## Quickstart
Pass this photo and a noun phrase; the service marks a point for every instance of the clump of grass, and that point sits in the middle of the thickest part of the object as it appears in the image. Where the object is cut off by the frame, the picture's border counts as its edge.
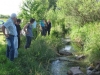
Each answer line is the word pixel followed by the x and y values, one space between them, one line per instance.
pixel 87 38
pixel 33 61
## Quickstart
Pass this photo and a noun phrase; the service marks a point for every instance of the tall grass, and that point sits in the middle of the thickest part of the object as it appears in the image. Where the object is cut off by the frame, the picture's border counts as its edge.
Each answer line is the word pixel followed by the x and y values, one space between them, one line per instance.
pixel 2 39
pixel 4 19
pixel 33 61
pixel 87 38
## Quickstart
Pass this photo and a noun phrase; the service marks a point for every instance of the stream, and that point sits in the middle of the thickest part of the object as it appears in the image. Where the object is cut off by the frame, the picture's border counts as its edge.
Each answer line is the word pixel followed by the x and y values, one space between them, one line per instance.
pixel 61 65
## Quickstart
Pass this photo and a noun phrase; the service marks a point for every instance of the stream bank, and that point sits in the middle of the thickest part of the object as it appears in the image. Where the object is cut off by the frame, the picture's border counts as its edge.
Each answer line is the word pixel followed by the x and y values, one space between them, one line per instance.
pixel 62 65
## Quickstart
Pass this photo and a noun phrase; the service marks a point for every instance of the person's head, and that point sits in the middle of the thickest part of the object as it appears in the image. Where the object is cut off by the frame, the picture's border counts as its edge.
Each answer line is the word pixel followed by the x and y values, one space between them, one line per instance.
pixel 18 21
pixel 32 20
pixel 13 17
pixel 49 21
pixel 45 20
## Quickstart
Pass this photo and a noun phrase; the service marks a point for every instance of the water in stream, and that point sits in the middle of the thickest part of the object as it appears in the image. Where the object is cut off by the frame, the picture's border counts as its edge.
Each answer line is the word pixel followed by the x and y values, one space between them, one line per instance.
pixel 59 67
pixel 62 64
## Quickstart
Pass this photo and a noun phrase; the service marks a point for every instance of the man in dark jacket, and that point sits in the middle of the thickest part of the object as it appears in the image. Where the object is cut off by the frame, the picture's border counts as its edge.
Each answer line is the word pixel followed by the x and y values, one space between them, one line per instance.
pixel 18 30
pixel 48 27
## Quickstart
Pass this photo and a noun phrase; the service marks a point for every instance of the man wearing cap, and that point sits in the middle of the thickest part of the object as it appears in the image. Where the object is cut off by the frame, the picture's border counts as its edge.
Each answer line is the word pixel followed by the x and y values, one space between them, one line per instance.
pixel 11 34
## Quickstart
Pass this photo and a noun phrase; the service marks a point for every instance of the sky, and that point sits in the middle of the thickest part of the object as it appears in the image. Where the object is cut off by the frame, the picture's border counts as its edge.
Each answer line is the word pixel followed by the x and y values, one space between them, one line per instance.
pixel 7 7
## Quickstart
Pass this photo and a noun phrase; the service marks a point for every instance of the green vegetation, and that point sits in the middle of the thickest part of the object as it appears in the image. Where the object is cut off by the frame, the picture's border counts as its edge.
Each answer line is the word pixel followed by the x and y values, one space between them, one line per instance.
pixel 2 38
pixel 33 61
pixel 4 19
pixel 87 40
pixel 4 16
pixel 78 19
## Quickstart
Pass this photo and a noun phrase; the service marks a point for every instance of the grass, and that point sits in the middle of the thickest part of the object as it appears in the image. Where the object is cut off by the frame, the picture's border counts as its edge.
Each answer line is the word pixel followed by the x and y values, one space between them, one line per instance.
pixel 2 38
pixel 87 40
pixel 34 61
pixel 4 19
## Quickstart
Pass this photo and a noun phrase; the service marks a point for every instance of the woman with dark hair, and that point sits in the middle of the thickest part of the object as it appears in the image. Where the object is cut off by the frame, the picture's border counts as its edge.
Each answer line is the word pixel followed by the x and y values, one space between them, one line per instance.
pixel 18 30
pixel 29 33
pixel 49 27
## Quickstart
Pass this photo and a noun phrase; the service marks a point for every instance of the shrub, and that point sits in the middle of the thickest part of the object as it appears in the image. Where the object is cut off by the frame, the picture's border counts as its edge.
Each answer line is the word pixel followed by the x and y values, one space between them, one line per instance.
pixel 89 35
pixel 33 61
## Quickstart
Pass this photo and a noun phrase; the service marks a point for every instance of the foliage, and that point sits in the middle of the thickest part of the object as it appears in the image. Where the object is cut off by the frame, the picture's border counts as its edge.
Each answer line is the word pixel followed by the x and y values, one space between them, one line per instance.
pixel 33 61
pixel 4 16
pixel 33 9
pixel 87 37
pixel 75 17
pixel 52 3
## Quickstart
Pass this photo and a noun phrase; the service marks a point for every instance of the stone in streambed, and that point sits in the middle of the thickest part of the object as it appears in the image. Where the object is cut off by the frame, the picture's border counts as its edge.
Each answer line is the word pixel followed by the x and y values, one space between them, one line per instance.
pixel 66 41
pixel 93 71
pixel 80 57
pixel 65 52
pixel 76 71
pixel 69 73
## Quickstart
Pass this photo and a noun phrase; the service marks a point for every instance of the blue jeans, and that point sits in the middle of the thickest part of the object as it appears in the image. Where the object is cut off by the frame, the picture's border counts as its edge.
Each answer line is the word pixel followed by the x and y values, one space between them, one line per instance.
pixel 28 42
pixel 10 47
pixel 43 31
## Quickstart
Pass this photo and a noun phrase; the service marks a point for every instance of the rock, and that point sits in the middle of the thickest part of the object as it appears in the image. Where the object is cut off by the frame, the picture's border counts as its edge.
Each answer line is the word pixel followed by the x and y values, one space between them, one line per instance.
pixel 97 62
pixel 66 41
pixel 80 57
pixel 97 73
pixel 69 73
pixel 66 59
pixel 90 68
pixel 97 67
pixel 65 52
pixel 76 71
pixel 93 71
pixel 90 72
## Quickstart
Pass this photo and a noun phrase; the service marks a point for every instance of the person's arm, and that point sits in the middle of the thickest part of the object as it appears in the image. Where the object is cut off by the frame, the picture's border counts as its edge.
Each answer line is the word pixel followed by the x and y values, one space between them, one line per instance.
pixel 26 28
pixel 20 29
pixel 3 30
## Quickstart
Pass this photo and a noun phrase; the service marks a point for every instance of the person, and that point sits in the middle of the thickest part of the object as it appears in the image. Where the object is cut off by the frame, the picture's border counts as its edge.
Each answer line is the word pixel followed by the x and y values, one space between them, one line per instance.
pixel 42 25
pixel 46 24
pixel 9 30
pixel 15 45
pixel 48 27
pixel 35 29
pixel 18 30
pixel 29 33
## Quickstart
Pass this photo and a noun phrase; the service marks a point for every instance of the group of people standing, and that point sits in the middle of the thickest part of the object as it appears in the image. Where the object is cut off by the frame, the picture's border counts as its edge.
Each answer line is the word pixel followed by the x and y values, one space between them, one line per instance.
pixel 12 30
pixel 45 27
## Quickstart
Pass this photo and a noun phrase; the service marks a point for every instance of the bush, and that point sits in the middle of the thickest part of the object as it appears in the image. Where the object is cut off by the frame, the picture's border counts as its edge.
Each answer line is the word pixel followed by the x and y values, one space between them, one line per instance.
pixel 33 61
pixel 88 35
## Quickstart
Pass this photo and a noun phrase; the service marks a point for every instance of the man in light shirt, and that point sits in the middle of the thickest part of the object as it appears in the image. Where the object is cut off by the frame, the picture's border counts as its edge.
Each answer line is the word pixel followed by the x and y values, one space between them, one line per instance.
pixel 11 36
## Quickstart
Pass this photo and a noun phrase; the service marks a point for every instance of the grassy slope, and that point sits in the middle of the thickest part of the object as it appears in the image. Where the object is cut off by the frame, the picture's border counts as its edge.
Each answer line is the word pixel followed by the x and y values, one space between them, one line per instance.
pixel 2 38
pixel 33 61
pixel 87 37
pixel 4 19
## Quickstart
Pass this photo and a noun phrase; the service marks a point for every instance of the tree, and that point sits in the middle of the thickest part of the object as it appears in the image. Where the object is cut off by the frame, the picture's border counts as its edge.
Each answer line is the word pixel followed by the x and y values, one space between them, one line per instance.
pixel 34 8
pixel 52 3
pixel 82 11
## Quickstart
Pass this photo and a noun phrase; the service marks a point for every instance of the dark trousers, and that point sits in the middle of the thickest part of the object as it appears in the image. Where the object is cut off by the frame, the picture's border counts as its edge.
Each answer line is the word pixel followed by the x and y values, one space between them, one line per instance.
pixel 28 42
pixel 48 31
pixel 10 47
pixel 18 41
pixel 43 31
pixel 35 33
